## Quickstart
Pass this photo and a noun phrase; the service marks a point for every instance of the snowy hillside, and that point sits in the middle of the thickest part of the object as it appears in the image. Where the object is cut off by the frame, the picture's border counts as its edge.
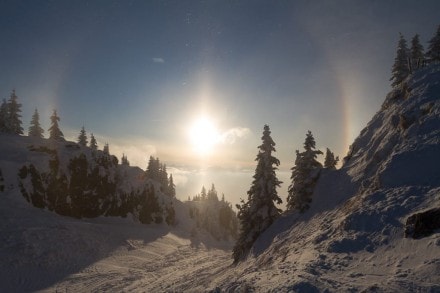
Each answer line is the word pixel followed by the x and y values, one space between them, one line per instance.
pixel 352 238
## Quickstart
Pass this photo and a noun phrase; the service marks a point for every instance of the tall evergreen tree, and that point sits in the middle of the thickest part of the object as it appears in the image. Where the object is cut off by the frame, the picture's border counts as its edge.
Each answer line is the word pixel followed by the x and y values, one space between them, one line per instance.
pixel 171 187
pixel 433 53
pixel 4 114
pixel 93 144
pixel 305 173
pixel 13 122
pixel 35 129
pixel 54 130
pixel 259 211
pixel 330 161
pixel 400 68
pixel 82 137
pixel 416 52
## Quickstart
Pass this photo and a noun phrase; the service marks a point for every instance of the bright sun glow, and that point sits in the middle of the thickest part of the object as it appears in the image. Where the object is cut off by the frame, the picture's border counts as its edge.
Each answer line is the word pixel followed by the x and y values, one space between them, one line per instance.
pixel 203 135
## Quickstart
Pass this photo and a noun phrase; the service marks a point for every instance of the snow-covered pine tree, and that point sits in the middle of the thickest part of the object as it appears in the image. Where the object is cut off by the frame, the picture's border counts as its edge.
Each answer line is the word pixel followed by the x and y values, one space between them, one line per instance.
pixel 330 161
pixel 13 122
pixel 400 68
pixel 433 53
pixel 4 113
pixel 171 187
pixel 54 130
pixel 82 137
pixel 35 129
pixel 305 173
pixel 259 211
pixel 416 53
pixel 93 144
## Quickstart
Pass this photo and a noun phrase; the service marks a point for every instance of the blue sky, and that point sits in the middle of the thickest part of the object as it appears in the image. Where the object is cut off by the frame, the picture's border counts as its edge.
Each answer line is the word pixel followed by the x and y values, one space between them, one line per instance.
pixel 137 73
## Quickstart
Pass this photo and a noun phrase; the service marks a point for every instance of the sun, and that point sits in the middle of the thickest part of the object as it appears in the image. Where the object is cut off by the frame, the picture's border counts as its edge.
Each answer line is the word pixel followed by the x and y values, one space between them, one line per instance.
pixel 203 135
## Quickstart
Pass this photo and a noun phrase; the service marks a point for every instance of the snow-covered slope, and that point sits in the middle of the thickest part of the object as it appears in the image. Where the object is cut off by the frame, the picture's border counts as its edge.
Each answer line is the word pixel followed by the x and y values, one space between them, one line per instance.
pixel 352 238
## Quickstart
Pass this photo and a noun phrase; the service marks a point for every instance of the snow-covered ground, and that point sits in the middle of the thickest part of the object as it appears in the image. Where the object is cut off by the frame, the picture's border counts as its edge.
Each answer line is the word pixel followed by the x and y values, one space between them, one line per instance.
pixel 40 250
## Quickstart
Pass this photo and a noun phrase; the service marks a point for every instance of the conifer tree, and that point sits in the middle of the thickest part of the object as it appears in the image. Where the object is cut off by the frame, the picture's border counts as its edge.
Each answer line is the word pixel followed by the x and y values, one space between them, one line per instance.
pixel 13 122
pixel 212 193
pixel 416 52
pixel 54 130
pixel 93 143
pixel 305 173
pixel 171 187
pixel 259 211
pixel 400 68
pixel 35 129
pixel 4 113
pixel 433 53
pixel 82 137
pixel 124 160
pixel 330 161
pixel 203 194
pixel 106 149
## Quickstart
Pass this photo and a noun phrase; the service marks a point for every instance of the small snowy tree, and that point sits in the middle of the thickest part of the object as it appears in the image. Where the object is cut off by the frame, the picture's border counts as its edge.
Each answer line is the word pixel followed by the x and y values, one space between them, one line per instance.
pixel 330 161
pixel 54 130
pixel 433 53
pixel 13 122
pixel 305 173
pixel 259 211
pixel 416 52
pixel 93 144
pixel 35 129
pixel 82 137
pixel 400 68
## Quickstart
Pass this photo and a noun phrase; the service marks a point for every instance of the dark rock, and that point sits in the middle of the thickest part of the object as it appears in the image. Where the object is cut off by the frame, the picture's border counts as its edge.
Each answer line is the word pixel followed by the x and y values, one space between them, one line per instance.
pixel 422 224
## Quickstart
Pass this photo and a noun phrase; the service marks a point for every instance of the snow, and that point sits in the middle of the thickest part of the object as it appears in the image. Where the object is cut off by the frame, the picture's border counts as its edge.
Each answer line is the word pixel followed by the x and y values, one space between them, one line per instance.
pixel 350 240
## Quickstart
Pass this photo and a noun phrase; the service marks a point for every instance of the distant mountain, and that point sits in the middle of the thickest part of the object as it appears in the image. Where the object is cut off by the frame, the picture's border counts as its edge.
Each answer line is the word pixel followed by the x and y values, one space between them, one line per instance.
pixel 353 236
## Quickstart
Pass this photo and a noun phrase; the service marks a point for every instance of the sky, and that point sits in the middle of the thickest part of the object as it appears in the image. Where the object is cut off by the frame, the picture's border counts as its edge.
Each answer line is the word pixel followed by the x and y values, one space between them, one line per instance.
pixel 194 82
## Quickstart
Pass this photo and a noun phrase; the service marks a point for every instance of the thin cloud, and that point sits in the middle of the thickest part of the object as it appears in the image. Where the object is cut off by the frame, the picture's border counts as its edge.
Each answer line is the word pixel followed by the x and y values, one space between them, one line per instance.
pixel 232 135
pixel 158 60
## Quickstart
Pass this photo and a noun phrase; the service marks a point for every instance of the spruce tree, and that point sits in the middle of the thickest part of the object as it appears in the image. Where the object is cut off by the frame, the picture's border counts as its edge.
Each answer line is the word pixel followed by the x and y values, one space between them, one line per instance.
pixel 400 68
pixel 305 173
pixel 4 113
pixel 13 122
pixel 416 53
pixel 433 53
pixel 35 129
pixel 330 161
pixel 259 211
pixel 93 144
pixel 54 130
pixel 171 187
pixel 82 137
